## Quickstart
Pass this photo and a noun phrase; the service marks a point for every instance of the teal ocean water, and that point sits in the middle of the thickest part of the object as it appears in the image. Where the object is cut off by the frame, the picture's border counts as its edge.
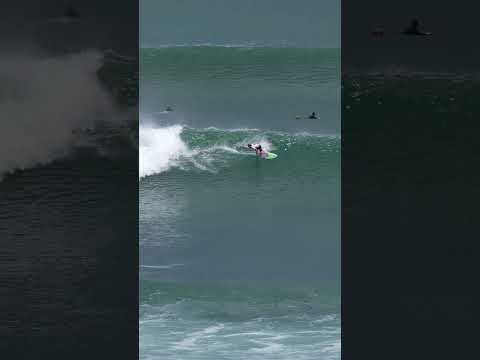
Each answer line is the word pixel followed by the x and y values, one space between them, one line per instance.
pixel 242 87
pixel 304 23
pixel 239 256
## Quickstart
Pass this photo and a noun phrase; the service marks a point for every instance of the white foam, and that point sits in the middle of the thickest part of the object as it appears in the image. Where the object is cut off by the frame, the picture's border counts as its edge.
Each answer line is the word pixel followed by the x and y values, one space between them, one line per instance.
pixel 162 148
pixel 224 148
pixel 334 347
pixel 267 347
pixel 191 340
pixel 326 318
pixel 159 149
pixel 248 333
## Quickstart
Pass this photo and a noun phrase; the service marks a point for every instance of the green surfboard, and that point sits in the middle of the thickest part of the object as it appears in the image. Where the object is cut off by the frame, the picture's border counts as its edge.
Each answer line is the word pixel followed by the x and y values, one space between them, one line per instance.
pixel 270 156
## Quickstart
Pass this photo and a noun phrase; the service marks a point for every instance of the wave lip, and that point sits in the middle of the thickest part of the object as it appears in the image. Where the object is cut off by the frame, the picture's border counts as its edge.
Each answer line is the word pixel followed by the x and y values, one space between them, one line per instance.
pixel 159 149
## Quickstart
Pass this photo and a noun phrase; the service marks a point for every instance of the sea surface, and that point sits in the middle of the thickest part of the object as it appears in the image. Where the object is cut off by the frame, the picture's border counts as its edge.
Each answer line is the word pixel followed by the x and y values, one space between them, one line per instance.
pixel 68 198
pixel 239 256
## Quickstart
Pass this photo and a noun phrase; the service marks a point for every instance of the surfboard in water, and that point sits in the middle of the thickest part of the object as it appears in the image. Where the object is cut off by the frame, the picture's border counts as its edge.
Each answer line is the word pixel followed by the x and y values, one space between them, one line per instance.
pixel 270 156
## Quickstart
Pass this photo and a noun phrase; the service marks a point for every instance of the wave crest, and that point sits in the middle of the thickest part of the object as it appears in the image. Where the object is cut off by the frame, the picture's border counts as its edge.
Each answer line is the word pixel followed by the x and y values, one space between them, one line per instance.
pixel 159 149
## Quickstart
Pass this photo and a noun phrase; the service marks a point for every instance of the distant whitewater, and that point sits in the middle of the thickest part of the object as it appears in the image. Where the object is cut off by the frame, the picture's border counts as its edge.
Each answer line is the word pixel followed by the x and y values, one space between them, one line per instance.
pixel 41 122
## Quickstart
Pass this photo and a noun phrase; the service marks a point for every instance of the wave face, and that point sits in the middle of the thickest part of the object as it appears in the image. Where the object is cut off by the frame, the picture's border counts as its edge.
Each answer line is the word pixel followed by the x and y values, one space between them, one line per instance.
pixel 239 255
pixel 191 177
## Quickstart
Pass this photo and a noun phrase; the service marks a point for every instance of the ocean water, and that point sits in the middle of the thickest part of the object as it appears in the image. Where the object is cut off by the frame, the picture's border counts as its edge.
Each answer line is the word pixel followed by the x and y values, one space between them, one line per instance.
pixel 239 256
pixel 304 23
pixel 410 143
pixel 66 159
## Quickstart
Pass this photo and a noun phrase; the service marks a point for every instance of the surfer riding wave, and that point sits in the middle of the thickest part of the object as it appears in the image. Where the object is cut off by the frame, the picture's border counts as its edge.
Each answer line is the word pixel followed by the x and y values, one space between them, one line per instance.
pixel 259 151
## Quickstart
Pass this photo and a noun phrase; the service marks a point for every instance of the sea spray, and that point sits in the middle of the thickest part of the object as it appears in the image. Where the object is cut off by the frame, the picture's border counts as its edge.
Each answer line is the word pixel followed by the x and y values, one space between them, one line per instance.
pixel 159 149
pixel 38 117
